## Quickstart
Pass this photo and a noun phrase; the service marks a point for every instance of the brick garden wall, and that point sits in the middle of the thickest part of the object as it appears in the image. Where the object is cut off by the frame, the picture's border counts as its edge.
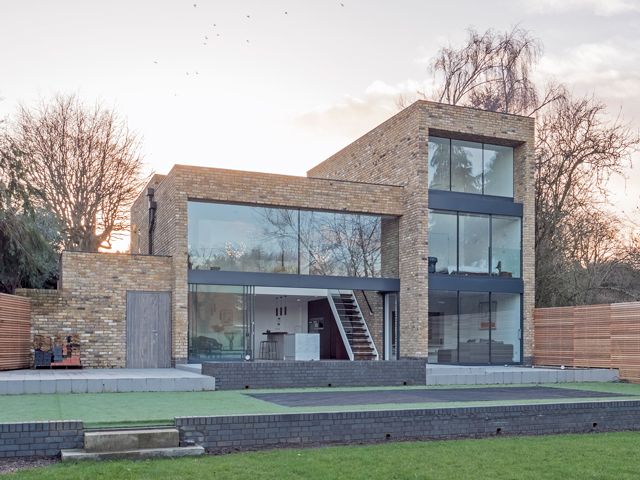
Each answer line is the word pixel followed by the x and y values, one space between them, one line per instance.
pixel 92 301
pixel 337 373
pixel 228 433
pixel 39 439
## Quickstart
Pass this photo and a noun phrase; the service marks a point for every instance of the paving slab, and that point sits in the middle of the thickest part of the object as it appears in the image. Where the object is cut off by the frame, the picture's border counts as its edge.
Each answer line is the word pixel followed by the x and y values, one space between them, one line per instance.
pixel 103 380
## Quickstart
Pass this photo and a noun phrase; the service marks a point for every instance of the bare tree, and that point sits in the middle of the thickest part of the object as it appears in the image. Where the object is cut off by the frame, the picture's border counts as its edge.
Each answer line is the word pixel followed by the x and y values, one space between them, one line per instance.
pixel 491 71
pixel 85 163
pixel 578 244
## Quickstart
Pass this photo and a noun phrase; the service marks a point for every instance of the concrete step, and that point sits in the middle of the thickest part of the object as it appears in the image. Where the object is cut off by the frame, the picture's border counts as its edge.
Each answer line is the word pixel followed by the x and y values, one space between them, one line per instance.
pixel 509 376
pixel 102 441
pixel 139 454
pixel 101 380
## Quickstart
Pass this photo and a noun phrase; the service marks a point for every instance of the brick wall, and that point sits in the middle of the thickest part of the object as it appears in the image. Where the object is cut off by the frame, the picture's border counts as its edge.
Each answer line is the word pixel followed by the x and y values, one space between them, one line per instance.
pixel 39 439
pixel 227 433
pixel 337 373
pixel 92 301
pixel 396 152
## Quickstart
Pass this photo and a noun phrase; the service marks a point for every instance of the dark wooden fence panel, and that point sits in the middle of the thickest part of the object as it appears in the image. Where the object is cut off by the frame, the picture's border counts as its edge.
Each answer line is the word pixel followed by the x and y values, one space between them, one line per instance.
pixel 15 332
pixel 605 336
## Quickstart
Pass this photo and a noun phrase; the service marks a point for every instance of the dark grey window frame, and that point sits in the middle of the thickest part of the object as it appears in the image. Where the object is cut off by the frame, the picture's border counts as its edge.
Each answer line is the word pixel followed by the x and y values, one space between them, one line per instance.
pixel 482 144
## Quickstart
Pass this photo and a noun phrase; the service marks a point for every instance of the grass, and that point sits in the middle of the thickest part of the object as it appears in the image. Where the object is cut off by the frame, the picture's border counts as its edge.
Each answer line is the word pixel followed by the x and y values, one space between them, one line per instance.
pixel 141 408
pixel 587 456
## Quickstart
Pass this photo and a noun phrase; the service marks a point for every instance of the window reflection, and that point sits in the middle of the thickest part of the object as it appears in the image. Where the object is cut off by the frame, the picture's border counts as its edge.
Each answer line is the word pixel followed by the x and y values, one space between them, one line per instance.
pixel 439 163
pixel 277 240
pixel 470 167
pixel 339 244
pixel 461 243
pixel 242 238
pixel 466 166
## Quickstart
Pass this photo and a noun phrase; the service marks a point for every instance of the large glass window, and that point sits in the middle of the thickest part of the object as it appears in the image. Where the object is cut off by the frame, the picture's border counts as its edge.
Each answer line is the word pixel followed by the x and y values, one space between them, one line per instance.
pixel 218 328
pixel 505 332
pixel 443 327
pixel 505 250
pixel 339 244
pixel 242 238
pixel 277 240
pixel 474 244
pixel 498 170
pixel 470 167
pixel 443 242
pixel 474 327
pixel 439 163
pixel 466 167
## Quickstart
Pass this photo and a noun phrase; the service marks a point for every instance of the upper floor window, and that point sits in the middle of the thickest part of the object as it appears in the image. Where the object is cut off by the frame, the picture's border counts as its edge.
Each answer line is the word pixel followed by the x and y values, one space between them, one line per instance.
pixel 470 167
pixel 247 238
pixel 474 244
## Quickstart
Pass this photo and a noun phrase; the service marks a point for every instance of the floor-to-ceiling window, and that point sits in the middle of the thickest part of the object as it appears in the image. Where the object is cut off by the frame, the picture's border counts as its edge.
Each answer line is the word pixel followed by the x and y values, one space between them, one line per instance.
pixel 218 327
pixel 474 327
pixel 473 244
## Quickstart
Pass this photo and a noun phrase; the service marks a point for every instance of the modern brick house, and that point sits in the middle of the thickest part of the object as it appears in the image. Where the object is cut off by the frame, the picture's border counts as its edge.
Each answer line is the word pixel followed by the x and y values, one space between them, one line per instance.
pixel 415 241
pixel 423 227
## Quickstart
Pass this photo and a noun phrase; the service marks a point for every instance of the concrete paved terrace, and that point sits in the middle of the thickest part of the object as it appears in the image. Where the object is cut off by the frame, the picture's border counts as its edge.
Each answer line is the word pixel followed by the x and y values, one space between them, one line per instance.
pixel 514 375
pixel 100 380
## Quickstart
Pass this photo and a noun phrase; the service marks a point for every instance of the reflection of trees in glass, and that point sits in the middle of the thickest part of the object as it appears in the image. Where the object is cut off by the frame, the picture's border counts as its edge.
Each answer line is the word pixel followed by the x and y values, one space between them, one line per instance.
pixel 498 170
pixel 340 244
pixel 267 242
pixel 462 171
pixel 439 158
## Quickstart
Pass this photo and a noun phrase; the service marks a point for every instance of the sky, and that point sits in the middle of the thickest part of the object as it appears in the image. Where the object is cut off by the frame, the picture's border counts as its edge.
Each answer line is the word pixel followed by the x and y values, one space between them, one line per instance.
pixel 278 86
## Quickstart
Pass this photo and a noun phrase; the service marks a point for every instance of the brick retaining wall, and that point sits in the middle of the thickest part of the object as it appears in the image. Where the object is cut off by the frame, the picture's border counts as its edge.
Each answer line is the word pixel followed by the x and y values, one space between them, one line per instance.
pixel 267 431
pixel 42 439
pixel 337 373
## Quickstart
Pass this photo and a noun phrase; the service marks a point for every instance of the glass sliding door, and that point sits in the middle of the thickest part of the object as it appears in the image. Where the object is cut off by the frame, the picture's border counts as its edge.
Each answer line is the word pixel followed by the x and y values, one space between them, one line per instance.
pixel 443 327
pixel 220 322
pixel 506 333
pixel 474 327
pixel 391 326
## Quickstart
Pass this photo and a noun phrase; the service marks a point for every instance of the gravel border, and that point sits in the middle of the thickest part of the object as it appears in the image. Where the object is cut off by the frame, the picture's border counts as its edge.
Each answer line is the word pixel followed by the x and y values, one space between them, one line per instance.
pixel 10 465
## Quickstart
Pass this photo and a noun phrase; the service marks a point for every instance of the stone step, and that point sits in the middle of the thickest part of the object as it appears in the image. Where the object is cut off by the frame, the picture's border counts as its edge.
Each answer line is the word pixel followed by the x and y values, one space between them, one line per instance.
pixel 139 454
pixel 102 441
pixel 508 376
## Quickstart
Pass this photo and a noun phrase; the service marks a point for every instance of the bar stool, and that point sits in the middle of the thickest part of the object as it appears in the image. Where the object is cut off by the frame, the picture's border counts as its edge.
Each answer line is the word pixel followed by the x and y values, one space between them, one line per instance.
pixel 268 350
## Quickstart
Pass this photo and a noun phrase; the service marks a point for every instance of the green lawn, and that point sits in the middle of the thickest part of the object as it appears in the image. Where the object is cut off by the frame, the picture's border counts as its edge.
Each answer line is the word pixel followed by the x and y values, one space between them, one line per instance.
pixel 161 407
pixel 588 456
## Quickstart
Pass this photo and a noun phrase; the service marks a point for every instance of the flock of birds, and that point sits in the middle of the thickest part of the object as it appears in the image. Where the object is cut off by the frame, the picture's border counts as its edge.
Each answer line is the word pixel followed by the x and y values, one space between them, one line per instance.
pixel 205 41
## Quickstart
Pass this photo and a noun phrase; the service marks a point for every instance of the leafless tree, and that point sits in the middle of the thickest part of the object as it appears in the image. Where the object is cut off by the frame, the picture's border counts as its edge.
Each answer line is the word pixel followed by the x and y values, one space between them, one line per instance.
pixel 578 243
pixel 86 164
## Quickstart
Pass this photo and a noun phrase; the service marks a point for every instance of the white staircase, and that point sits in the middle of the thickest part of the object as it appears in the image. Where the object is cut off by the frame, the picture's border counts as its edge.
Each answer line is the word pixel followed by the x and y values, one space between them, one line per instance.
pixel 353 328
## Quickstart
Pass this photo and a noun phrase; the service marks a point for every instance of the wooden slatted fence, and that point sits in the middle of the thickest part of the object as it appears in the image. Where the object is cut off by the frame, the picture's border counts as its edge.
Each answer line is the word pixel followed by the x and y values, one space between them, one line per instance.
pixel 15 332
pixel 605 336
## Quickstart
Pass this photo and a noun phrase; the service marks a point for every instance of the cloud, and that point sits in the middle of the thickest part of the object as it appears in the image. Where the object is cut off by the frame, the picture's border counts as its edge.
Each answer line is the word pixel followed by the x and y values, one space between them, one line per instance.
pixel 605 8
pixel 609 69
pixel 355 115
